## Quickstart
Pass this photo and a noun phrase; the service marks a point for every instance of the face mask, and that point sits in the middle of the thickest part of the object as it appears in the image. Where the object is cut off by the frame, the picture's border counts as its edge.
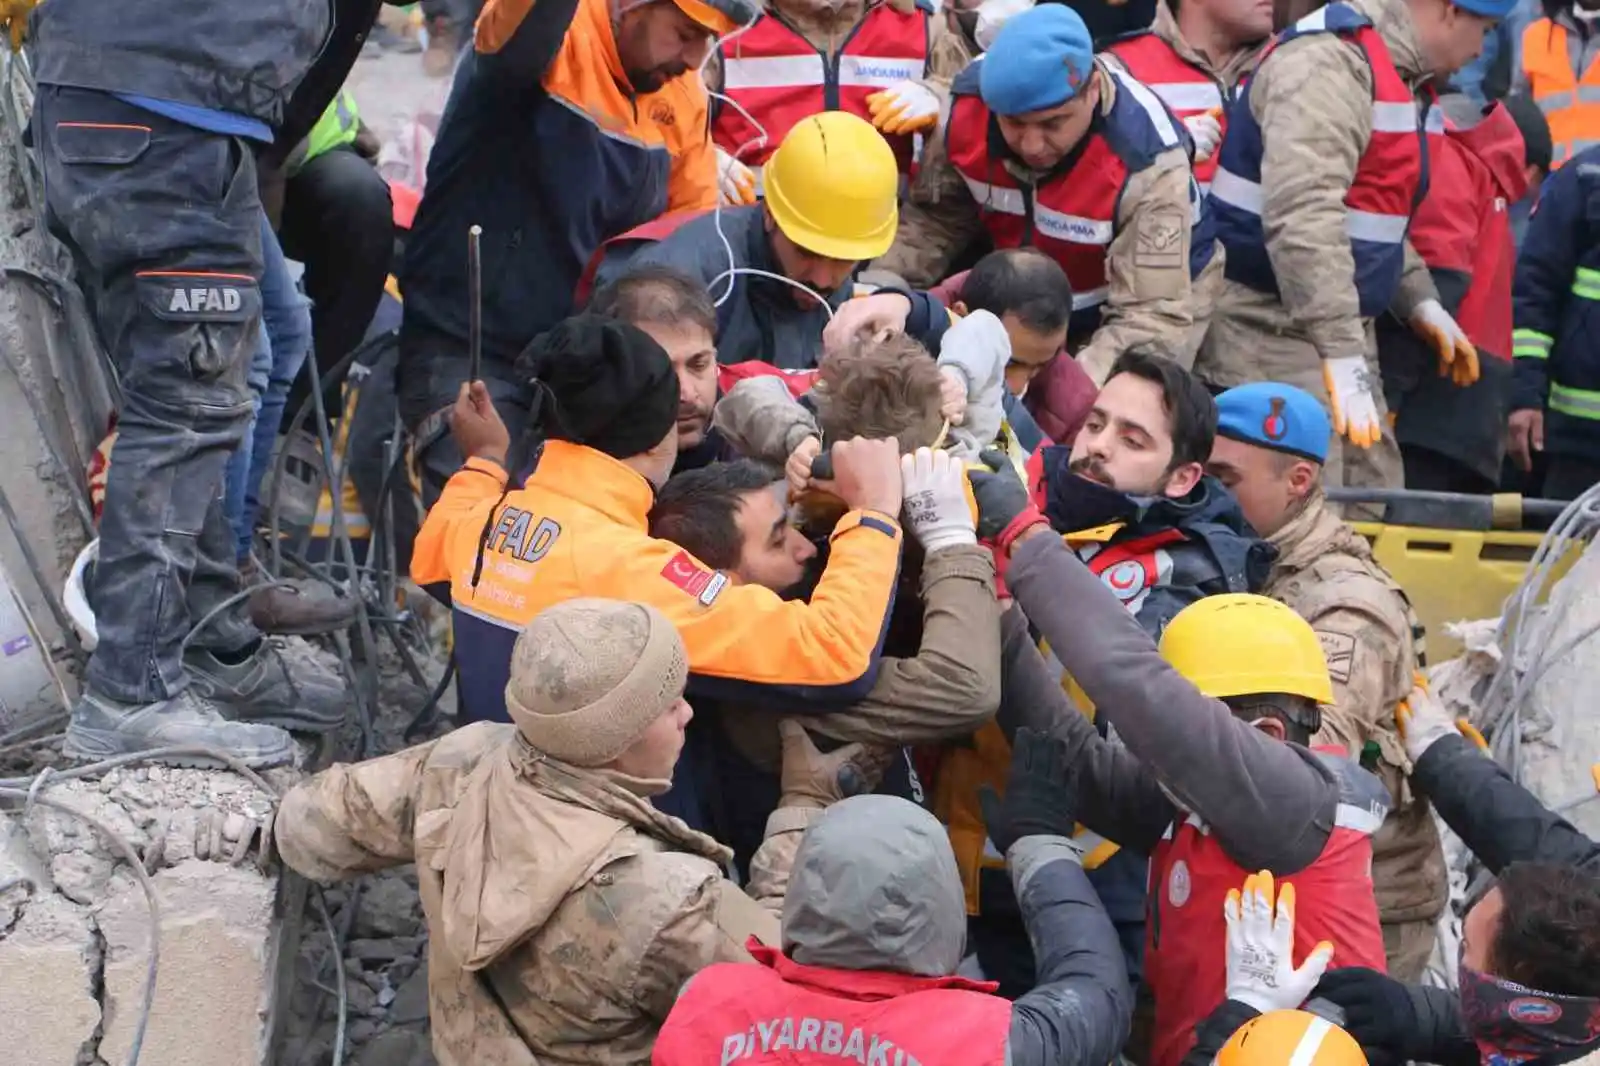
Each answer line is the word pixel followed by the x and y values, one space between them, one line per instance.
pixel 1512 1024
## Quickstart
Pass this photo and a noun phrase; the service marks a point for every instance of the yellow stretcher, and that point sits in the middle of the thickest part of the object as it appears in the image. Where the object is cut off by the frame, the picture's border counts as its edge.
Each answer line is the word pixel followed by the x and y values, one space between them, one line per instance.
pixel 1457 556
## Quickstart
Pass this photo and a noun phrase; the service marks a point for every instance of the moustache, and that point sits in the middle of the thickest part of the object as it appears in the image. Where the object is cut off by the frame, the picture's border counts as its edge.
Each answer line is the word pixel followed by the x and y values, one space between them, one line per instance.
pixel 1091 469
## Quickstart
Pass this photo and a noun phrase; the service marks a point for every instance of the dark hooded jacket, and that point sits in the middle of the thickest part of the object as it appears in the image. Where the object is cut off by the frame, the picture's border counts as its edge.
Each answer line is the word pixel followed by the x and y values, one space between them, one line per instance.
pixel 874 893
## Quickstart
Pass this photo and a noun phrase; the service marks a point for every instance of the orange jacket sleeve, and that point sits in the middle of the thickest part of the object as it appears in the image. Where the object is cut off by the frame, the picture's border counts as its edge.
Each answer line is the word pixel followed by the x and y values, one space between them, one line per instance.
pixel 468 497
pixel 693 183
pixel 745 642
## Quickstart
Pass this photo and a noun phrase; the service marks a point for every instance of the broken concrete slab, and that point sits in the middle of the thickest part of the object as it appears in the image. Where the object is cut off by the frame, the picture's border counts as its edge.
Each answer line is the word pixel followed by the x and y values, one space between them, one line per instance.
pixel 49 974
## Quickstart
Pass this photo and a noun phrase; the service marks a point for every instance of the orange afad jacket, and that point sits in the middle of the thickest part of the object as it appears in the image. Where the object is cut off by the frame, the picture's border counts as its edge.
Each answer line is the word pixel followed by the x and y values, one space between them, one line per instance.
pixel 579 528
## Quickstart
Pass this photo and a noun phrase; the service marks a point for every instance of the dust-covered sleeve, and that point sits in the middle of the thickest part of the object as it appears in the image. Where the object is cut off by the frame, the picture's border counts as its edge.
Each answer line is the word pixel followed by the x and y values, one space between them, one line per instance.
pixel 675 925
pixel 1416 285
pixel 938 219
pixel 352 818
pixel 1150 297
pixel 760 419
pixel 1313 101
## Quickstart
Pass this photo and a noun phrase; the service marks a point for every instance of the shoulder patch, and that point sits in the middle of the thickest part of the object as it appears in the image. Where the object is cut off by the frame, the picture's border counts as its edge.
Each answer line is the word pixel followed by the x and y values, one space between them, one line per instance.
pixel 1340 651
pixel 1158 240
pixel 704 585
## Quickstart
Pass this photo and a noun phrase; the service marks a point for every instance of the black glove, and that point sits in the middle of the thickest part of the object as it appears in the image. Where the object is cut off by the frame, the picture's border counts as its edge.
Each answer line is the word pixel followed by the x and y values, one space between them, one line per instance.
pixel 1038 800
pixel 1001 495
pixel 1390 1017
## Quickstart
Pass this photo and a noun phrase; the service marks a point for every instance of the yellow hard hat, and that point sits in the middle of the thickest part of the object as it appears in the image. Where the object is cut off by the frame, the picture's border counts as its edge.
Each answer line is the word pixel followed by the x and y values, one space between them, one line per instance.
pixel 833 187
pixel 1243 645
pixel 1290 1036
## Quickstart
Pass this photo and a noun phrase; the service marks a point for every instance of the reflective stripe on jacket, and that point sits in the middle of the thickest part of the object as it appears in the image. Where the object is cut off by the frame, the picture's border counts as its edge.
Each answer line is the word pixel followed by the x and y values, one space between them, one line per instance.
pixel 1187 90
pixel 1389 182
pixel 1570 101
pixel 1191 875
pixel 1072 216
pixel 779 77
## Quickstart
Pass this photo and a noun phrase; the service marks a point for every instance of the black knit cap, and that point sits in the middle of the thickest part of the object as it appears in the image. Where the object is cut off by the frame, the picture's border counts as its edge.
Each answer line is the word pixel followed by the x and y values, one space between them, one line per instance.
pixel 601 383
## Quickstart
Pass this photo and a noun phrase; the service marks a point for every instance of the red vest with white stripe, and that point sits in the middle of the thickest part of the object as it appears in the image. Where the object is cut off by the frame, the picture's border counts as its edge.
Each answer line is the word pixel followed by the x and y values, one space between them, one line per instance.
pixel 781 1011
pixel 776 75
pixel 1390 179
pixel 1191 874
pixel 1187 90
pixel 1072 215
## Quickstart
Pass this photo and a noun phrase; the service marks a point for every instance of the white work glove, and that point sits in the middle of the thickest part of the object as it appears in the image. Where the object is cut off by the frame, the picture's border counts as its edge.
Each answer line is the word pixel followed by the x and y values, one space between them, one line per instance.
pixel 1458 358
pixel 904 108
pixel 1261 969
pixel 993 14
pixel 1352 393
pixel 1206 129
pixel 934 501
pixel 1422 721
pixel 735 181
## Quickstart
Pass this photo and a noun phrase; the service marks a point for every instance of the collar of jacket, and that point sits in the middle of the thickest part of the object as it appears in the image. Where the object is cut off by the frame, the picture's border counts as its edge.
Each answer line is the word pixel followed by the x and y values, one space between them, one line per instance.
pixel 1314 532
pixel 1392 19
pixel 1230 73
pixel 858 984
pixel 595 480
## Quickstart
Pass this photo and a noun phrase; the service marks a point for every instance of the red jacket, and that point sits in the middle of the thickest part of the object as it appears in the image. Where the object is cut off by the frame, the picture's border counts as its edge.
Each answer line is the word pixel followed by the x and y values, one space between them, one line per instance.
pixel 1462 230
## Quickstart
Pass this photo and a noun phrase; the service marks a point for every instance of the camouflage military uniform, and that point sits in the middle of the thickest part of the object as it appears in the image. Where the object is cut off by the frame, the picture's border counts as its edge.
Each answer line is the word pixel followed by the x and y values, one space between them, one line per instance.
pixel 1314 105
pixel 564 912
pixel 1373 642
pixel 1151 297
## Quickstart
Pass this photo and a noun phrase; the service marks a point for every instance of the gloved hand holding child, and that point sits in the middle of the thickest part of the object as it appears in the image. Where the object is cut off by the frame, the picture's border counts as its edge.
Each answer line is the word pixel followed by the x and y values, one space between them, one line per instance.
pixel 816 780
pixel 1261 970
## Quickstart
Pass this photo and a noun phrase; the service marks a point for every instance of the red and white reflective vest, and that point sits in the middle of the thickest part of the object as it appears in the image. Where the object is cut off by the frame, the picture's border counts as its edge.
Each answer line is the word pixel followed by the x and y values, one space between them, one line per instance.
pixel 1071 216
pixel 1191 874
pixel 781 1011
pixel 776 75
pixel 1187 89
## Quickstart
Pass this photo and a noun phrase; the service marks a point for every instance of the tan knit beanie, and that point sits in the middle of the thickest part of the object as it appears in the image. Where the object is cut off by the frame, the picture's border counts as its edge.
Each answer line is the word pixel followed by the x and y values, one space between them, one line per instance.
pixel 588 676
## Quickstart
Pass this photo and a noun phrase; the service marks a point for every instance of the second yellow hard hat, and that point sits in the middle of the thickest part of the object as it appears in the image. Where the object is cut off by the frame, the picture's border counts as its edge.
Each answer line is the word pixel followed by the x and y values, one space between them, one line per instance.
pixel 1244 645
pixel 833 187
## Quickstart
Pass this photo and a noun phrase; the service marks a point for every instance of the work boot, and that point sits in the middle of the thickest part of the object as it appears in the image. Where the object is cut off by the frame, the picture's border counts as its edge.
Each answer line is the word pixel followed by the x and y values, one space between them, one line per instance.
pixel 301 608
pixel 281 682
pixel 444 41
pixel 103 728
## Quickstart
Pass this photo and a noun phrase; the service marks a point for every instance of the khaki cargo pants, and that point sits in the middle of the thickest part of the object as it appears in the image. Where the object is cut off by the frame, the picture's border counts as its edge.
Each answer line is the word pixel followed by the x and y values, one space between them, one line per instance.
pixel 1407 947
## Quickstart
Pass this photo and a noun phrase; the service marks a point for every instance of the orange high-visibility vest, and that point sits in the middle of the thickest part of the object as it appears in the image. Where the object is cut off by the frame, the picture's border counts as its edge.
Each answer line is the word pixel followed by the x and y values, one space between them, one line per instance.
pixel 1571 104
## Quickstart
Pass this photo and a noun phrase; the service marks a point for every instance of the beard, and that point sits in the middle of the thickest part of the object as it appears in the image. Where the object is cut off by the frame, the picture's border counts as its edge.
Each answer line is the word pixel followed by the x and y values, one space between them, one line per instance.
pixel 1091 469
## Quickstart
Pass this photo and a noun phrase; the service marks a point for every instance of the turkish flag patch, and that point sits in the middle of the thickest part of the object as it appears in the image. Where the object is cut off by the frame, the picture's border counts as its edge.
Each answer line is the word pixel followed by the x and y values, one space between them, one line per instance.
pixel 688 575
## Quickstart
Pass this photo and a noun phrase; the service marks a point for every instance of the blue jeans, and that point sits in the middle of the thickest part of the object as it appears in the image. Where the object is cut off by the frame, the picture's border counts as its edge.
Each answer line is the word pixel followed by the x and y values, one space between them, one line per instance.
pixel 285 341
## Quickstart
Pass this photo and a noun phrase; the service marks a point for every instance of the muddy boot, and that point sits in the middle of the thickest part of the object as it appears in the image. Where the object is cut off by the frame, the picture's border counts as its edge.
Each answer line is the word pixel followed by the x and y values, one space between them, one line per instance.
pixel 285 683
pixel 102 728
pixel 297 608
pixel 444 42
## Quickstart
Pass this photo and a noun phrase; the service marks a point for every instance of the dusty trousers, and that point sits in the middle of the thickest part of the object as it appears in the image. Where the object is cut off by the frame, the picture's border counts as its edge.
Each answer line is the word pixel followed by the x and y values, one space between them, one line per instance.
pixel 1239 349
pixel 163 220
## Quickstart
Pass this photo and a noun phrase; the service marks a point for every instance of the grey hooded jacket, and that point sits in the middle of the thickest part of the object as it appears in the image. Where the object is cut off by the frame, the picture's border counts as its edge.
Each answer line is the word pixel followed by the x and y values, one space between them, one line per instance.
pixel 875 887
pixel 246 58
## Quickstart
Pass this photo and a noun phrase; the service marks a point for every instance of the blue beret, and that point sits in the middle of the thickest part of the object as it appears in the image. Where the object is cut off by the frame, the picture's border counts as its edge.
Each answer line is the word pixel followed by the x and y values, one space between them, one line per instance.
pixel 1280 417
pixel 1494 9
pixel 1039 60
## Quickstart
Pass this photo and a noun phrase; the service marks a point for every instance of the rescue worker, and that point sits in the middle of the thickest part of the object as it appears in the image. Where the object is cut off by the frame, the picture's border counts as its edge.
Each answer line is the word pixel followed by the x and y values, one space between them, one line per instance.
pixel 607 413
pixel 127 112
pixel 1194 57
pixel 1271 442
pixel 1131 499
pixel 830 205
pixel 568 123
pixel 1045 145
pixel 1557 66
pixel 1315 187
pixel 969 29
pixel 675 311
pixel 801 58
pixel 848 984
pixel 1452 435
pixel 1529 973
pixel 1218 777
pixel 1555 402
pixel 940 674
pixel 564 912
